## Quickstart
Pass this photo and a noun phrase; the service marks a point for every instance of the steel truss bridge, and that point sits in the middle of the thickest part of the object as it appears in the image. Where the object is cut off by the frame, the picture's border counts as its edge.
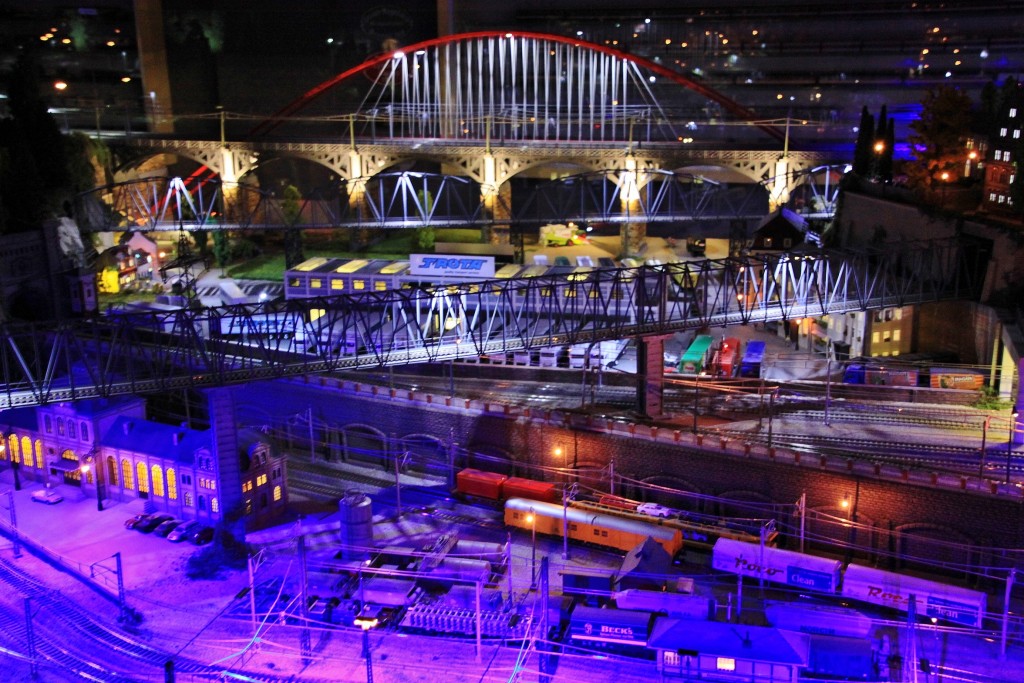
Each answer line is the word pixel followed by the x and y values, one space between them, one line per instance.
pixel 132 352
pixel 413 200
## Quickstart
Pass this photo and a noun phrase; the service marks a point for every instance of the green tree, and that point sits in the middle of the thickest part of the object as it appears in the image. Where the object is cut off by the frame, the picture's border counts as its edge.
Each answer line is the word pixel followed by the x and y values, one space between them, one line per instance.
pixel 221 250
pixel 291 204
pixel 862 151
pixel 937 138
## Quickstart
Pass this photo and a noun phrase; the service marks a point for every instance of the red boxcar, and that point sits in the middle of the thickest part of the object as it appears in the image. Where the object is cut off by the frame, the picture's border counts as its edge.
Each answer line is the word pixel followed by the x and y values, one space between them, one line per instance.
pixel 728 357
pixel 479 483
pixel 516 487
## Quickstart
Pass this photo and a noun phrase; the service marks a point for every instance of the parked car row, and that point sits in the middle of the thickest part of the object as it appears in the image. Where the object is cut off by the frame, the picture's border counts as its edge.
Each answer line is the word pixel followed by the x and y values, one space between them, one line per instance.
pixel 169 527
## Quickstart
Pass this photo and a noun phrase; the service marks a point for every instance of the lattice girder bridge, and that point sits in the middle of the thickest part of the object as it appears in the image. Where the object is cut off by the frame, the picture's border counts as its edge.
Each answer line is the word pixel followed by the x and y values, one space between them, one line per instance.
pixel 141 352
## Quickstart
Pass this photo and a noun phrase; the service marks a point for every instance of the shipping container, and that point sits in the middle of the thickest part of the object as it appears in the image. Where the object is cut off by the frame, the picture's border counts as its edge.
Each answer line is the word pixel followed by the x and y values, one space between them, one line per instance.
pixel 825 620
pixel 676 605
pixel 696 356
pixel 964 379
pixel 727 357
pixel 750 365
pixel 806 572
pixel 881 376
pixel 517 487
pixel 478 483
pixel 841 659
pixel 931 598
pixel 610 626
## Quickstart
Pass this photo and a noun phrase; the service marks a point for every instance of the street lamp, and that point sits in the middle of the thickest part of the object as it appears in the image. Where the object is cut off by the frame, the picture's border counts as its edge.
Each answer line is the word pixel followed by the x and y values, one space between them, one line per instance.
pixel 366 625
pixel 532 519
pixel 984 438
pixel 86 466
pixel 944 177
pixel 1009 442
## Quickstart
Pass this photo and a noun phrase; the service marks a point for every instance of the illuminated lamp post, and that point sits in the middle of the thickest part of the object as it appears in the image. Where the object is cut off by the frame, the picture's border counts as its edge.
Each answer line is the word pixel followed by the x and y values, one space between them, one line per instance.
pixel 1009 442
pixel 984 438
pixel 366 625
pixel 944 177
pixel 91 462
pixel 879 148
pixel 532 519
pixel 972 156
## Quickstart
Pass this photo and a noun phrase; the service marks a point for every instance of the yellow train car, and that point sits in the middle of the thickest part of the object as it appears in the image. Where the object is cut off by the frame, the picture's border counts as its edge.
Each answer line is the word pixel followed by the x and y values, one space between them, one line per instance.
pixel 608 531
pixel 695 534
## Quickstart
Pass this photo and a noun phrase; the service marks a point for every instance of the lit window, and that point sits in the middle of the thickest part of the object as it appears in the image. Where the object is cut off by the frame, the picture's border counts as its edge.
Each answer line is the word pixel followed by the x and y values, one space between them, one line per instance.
pixel 261 480
pixel 172 485
pixel 158 481
pixel 1006 156
pixel 246 486
pixel 874 337
pixel 214 505
pixel 316 283
pixel 1013 112
pixel 126 475
pixel 1016 134
pixel 998 156
pixel 26 450
pixel 725 664
pixel 1002 132
pixel 896 335
pixel 187 498
pixel 359 285
pixel 143 477
pixel 277 493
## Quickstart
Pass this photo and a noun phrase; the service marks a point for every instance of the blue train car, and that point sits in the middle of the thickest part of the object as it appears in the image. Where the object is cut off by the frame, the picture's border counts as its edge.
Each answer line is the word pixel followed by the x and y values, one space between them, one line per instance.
pixel 753 356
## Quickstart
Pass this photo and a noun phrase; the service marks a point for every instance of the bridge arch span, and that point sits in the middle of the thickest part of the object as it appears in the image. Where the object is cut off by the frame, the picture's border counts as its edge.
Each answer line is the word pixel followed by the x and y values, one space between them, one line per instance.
pixel 513 84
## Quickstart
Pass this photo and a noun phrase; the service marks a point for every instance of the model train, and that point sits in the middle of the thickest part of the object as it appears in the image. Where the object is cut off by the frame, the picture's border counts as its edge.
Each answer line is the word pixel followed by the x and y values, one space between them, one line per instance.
pixel 696 530
pixel 966 379
pixel 607 531
pixel 494 486
pixel 855 582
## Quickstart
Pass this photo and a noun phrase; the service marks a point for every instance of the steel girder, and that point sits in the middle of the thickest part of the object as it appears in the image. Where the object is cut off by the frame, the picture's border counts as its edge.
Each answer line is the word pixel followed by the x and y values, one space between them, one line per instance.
pixel 131 352
pixel 412 200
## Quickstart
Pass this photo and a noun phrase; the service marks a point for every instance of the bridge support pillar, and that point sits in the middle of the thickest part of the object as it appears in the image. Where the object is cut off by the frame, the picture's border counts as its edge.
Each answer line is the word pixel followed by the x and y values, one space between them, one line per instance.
pixel 357 199
pixel 650 372
pixel 634 232
pixel 497 209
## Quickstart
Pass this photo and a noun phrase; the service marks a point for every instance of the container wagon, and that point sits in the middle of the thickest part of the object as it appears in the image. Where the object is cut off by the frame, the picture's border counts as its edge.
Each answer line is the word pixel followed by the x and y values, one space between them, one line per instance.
pixel 695 359
pixel 753 356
